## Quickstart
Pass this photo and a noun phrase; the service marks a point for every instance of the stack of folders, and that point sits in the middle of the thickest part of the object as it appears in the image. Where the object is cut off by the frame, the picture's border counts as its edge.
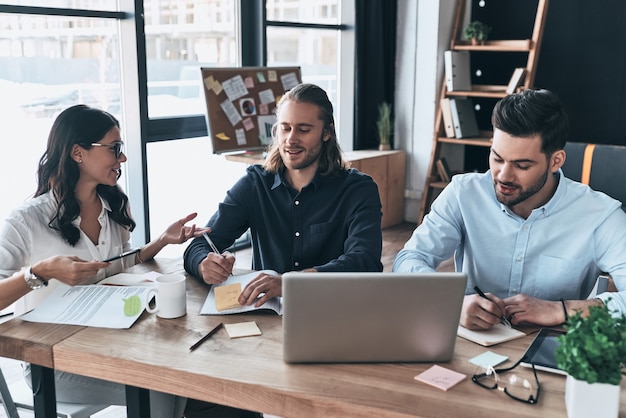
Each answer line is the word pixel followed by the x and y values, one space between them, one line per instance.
pixel 459 119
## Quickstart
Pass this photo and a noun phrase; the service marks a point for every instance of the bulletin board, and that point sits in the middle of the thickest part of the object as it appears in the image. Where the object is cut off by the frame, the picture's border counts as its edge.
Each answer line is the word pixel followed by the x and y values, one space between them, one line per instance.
pixel 240 104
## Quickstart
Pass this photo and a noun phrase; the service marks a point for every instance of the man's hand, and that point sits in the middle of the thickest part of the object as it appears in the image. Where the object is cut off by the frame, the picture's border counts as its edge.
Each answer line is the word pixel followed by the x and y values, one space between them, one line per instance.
pixel 268 286
pixel 481 313
pixel 523 309
pixel 216 268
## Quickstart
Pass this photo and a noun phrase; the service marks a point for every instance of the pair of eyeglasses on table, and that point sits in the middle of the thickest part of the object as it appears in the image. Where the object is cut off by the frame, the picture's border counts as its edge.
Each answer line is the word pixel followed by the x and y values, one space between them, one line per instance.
pixel 514 386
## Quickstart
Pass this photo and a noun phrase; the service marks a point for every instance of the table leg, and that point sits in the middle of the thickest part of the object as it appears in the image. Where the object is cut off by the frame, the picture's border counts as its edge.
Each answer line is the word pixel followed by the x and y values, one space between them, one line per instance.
pixel 137 402
pixel 44 396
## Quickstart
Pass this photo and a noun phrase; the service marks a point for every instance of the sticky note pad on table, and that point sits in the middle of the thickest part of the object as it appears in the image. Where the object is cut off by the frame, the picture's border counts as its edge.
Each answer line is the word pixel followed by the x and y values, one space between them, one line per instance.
pixel 487 359
pixel 227 296
pixel 440 377
pixel 242 329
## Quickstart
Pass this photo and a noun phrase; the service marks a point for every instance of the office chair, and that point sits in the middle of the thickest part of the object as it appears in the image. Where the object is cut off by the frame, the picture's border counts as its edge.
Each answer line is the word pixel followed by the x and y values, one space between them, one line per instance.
pixel 20 396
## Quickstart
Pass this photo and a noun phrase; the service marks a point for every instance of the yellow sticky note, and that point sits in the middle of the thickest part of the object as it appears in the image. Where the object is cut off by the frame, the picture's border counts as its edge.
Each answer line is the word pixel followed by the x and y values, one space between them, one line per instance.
pixel 226 297
pixel 242 329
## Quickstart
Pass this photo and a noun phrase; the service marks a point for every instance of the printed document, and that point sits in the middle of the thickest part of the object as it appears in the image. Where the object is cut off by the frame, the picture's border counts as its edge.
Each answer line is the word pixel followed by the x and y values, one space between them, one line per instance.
pixel 91 305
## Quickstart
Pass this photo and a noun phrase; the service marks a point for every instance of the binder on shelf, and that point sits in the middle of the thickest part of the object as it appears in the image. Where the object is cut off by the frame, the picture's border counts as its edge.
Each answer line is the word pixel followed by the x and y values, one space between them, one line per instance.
pixel 457 69
pixel 448 125
pixel 463 117
pixel 443 170
pixel 516 80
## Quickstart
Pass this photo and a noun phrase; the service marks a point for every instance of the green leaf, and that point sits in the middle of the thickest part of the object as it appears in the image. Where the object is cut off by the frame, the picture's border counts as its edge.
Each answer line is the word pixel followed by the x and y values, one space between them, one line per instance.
pixel 594 347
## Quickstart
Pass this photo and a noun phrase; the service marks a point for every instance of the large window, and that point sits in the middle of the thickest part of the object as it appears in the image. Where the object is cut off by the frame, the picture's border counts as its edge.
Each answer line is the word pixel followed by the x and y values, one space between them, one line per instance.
pixel 140 60
pixel 181 37
pixel 313 35
pixel 47 63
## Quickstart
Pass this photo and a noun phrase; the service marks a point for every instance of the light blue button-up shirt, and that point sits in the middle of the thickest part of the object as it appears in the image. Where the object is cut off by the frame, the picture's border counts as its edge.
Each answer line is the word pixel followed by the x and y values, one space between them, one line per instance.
pixel 558 252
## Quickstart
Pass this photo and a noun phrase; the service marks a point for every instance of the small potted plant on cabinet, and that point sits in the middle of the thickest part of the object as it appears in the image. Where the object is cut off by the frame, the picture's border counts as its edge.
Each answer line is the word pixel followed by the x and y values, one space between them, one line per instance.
pixel 384 125
pixel 593 353
pixel 477 32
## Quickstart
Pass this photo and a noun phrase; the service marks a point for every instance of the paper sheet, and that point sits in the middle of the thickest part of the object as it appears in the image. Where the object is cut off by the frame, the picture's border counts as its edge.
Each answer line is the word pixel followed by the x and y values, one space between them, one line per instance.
pixel 91 305
pixel 131 279
pixel 242 329
pixel 488 358
pixel 440 377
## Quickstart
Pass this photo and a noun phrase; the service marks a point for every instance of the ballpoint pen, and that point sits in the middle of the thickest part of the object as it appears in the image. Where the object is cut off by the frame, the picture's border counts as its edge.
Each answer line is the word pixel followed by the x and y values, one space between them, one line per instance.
pixel 213 247
pixel 122 255
pixel 503 319
pixel 206 337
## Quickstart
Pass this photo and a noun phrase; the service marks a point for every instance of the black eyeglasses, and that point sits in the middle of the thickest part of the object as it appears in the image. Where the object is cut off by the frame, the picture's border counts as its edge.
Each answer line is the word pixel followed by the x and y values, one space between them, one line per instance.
pixel 117 148
pixel 515 387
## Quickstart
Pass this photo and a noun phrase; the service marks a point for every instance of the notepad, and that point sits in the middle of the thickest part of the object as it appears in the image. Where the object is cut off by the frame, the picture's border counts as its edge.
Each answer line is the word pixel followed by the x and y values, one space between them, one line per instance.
pixel 227 297
pixel 242 329
pixel 495 335
pixel 487 359
pixel 440 377
pixel 223 298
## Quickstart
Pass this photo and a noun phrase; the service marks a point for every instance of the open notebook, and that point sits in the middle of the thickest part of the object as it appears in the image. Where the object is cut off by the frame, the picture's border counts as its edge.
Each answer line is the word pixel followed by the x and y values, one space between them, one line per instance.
pixel 371 317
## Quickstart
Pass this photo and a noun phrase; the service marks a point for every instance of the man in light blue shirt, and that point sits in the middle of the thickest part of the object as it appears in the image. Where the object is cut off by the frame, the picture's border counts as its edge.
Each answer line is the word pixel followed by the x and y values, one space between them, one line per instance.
pixel 533 240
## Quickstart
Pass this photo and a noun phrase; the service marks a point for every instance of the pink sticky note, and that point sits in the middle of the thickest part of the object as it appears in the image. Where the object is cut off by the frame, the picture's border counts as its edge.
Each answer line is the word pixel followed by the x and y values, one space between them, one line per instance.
pixel 440 377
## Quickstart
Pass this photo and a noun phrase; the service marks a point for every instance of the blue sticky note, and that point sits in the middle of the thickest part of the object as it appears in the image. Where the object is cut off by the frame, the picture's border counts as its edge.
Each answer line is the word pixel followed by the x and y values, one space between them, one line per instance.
pixel 488 358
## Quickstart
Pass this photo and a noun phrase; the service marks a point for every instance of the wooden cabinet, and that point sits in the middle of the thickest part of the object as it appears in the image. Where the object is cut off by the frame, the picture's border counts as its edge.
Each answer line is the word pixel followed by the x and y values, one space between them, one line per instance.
pixel 387 169
pixel 529 47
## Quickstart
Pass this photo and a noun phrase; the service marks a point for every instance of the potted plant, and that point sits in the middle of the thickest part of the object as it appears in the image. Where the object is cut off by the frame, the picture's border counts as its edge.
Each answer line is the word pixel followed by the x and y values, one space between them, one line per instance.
pixel 384 125
pixel 477 32
pixel 593 354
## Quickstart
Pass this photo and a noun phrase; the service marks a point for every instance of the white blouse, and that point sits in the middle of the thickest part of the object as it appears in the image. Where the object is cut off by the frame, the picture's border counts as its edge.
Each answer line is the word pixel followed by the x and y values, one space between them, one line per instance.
pixel 26 238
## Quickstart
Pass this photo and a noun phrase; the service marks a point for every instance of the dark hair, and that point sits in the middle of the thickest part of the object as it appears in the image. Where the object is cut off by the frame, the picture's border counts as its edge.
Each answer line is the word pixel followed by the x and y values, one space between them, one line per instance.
pixel 331 158
pixel 533 112
pixel 58 172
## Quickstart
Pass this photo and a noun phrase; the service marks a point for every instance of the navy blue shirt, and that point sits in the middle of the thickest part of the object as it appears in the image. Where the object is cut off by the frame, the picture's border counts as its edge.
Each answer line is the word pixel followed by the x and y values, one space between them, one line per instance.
pixel 333 224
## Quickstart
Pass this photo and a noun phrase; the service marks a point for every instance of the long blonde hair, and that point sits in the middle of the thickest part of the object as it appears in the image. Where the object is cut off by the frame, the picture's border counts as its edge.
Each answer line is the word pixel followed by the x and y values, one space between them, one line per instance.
pixel 331 157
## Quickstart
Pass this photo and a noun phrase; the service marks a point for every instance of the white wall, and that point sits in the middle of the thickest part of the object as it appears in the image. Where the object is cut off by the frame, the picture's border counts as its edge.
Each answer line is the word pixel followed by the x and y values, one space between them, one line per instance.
pixel 424 28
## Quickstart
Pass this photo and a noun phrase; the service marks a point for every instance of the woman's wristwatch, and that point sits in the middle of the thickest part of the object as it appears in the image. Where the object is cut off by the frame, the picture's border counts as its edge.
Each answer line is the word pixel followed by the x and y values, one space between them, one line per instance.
pixel 32 280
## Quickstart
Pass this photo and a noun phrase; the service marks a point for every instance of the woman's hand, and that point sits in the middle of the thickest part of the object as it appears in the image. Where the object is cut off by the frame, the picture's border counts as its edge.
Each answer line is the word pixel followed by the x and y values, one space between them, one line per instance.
pixel 70 270
pixel 178 232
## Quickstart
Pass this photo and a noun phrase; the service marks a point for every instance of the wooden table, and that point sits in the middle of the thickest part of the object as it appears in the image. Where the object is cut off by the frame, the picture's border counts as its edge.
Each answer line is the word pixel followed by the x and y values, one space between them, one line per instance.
pixel 250 373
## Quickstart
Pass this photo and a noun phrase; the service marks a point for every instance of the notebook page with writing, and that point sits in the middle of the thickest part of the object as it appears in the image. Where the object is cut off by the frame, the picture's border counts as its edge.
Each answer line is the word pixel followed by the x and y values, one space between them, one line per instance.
pixel 495 335
pixel 210 307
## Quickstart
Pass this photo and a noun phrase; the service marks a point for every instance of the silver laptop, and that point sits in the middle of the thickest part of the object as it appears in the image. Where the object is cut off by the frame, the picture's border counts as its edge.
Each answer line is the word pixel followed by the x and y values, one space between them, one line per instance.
pixel 371 317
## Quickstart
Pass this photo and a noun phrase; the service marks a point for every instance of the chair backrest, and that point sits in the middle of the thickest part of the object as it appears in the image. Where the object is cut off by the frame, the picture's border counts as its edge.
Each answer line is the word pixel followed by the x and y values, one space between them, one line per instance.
pixel 602 167
pixel 20 396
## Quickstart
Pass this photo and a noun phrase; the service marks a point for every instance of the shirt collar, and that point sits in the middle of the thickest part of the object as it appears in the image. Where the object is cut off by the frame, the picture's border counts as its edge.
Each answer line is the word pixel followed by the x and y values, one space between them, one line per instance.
pixel 280 179
pixel 101 217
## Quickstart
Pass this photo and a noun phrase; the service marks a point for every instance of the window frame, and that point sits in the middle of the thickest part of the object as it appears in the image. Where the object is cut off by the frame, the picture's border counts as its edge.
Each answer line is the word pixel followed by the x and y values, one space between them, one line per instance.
pixel 133 60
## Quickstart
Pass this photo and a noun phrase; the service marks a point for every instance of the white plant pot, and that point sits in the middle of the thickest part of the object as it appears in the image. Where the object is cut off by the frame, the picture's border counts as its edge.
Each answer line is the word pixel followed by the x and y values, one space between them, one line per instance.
pixel 584 400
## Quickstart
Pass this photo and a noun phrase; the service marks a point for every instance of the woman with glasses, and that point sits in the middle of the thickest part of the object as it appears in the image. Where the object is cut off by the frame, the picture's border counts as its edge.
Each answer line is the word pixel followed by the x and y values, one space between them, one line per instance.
pixel 78 215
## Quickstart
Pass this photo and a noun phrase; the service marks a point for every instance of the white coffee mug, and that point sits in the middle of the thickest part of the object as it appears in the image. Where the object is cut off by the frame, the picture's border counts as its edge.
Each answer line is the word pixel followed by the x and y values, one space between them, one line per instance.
pixel 170 296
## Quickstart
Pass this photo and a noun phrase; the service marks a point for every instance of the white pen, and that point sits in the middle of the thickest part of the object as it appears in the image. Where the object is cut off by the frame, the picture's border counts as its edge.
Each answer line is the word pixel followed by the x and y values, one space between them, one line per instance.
pixel 213 247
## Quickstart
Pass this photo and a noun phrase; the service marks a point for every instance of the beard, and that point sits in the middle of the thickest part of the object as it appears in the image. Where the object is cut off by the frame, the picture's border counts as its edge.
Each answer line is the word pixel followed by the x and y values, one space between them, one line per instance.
pixel 522 194
pixel 311 156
